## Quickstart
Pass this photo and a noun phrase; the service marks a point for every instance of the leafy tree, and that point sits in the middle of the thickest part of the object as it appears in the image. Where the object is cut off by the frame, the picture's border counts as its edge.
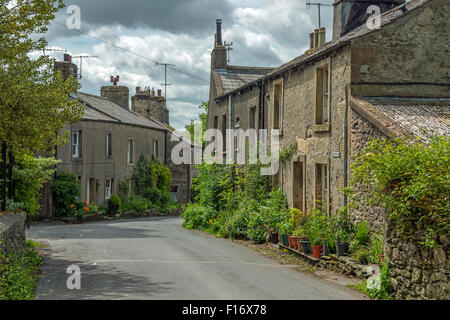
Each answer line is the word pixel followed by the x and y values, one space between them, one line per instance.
pixel 203 119
pixel 34 104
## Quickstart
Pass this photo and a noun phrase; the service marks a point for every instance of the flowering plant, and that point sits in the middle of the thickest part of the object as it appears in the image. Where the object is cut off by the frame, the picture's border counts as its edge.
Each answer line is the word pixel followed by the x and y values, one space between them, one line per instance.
pixel 81 209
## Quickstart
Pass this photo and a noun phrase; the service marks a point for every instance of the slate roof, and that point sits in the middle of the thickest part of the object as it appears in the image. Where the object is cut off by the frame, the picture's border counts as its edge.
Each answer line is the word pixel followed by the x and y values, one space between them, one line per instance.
pixel 418 116
pixel 234 77
pixel 386 18
pixel 102 109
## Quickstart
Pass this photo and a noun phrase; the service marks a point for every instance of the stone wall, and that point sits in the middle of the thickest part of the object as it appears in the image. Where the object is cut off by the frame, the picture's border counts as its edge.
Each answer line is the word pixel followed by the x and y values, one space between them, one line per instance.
pixel 417 272
pixel 12 232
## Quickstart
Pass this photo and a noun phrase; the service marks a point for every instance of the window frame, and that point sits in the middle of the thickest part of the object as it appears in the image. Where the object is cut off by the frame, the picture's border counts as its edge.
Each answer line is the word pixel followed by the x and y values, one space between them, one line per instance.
pixel 322 120
pixel 279 83
pixel 108 145
pixel 130 151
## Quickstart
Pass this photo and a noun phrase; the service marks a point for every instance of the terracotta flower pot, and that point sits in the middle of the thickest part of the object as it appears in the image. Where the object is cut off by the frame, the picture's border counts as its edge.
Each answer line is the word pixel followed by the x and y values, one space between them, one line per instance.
pixel 317 251
pixel 295 242
pixel 299 244
pixel 279 238
pixel 291 242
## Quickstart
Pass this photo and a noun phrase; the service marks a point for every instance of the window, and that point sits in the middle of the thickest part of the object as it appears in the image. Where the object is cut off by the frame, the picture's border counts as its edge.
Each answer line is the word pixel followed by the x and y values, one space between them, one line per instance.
pixel 108 145
pixel 76 144
pixel 322 187
pixel 224 133
pixel 130 151
pixel 156 149
pixel 298 185
pixel 277 105
pixel 322 95
pixel 109 185
pixel 252 118
pixel 174 193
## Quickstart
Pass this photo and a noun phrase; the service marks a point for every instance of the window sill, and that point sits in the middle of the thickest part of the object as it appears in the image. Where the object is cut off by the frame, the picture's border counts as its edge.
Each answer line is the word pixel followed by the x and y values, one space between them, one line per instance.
pixel 322 127
pixel 77 159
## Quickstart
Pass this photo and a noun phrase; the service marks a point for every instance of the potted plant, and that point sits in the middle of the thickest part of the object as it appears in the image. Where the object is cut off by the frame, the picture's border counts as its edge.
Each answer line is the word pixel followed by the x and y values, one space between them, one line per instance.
pixel 315 231
pixel 284 231
pixel 343 242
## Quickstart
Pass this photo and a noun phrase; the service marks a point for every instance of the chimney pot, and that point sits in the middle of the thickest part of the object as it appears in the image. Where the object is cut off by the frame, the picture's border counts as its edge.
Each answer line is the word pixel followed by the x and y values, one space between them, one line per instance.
pixel 219 32
pixel 159 92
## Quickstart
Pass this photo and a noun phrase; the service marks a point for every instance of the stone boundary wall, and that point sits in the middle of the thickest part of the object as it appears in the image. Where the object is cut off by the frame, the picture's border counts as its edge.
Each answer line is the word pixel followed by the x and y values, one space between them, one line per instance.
pixel 12 232
pixel 417 272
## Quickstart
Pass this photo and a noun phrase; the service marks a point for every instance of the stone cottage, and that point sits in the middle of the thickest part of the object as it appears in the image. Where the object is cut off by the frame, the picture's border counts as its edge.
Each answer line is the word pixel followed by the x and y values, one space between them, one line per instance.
pixel 308 98
pixel 379 76
pixel 106 144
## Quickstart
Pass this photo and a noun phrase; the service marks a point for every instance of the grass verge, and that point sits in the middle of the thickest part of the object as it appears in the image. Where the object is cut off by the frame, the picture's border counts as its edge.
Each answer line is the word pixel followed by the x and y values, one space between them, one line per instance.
pixel 19 273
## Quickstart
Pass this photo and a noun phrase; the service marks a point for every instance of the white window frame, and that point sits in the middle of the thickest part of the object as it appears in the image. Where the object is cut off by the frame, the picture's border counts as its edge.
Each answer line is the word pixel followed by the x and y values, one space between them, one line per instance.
pixel 108 188
pixel 76 144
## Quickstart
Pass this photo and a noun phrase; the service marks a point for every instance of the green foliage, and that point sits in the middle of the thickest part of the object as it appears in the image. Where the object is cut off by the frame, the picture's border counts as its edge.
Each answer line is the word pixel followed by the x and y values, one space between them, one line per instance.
pixel 153 181
pixel 410 179
pixel 257 228
pixel 30 173
pixel 190 129
pixel 362 233
pixel 196 216
pixel 114 204
pixel 18 273
pixel 288 152
pixel 65 189
pixel 34 104
pixel 274 210
pixel 80 209
pixel 139 204
pixel 315 228
pixel 385 292
pixel 256 186
pixel 213 185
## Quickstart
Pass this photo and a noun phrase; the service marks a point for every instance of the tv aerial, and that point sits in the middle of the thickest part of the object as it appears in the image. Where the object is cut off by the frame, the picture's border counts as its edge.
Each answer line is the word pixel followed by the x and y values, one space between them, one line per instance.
pixel 318 4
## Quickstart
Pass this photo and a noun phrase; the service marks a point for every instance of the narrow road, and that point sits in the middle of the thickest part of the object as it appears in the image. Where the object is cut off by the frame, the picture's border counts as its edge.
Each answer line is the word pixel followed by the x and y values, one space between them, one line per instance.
pixel 156 258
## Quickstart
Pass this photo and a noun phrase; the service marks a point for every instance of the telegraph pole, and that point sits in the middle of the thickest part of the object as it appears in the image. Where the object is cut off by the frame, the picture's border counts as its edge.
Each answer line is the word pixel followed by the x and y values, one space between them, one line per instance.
pixel 165 84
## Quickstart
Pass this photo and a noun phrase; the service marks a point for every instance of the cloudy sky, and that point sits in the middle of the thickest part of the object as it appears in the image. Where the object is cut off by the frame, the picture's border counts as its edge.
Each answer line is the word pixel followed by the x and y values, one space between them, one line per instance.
pixel 181 32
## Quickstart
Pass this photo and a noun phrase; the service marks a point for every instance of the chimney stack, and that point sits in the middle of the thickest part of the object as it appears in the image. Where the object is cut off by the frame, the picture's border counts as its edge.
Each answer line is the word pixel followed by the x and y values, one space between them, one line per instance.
pixel 118 94
pixel 219 32
pixel 159 92
pixel 66 67
pixel 317 38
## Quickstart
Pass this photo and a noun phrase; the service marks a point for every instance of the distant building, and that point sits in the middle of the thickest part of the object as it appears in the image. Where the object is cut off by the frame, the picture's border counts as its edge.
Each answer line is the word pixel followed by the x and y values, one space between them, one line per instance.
pixel 106 144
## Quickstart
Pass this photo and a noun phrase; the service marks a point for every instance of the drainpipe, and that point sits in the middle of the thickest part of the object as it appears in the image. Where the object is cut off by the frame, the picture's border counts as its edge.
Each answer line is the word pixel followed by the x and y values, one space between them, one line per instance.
pixel 347 87
pixel 165 147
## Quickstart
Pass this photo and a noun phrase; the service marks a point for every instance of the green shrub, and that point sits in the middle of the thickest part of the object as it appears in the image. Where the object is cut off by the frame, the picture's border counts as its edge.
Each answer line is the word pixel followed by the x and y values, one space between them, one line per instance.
pixel 153 180
pixel 237 226
pixel 65 189
pixel 257 228
pixel 362 233
pixel 197 216
pixel 410 179
pixel 139 204
pixel 114 203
